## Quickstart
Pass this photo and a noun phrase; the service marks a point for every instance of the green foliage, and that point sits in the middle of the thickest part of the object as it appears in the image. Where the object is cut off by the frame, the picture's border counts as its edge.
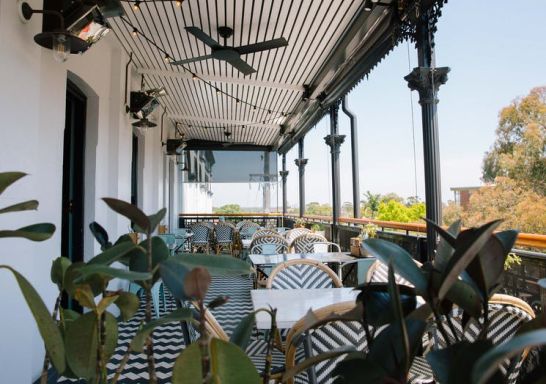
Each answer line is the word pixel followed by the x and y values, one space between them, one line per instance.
pixel 393 210
pixel 314 208
pixel 228 208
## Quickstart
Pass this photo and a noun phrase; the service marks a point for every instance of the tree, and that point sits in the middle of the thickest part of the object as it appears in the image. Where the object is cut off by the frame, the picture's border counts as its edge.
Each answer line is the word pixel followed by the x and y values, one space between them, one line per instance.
pixel 520 145
pixel 370 204
pixel 347 209
pixel 394 210
pixel 315 208
pixel 520 208
pixel 228 208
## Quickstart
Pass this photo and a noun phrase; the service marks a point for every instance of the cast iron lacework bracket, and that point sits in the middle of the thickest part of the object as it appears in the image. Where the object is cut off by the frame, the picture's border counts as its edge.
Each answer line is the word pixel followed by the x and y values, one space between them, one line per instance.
pixel 406 25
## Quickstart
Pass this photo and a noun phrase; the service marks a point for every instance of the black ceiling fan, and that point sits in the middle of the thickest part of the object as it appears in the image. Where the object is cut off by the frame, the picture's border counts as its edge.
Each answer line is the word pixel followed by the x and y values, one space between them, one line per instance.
pixel 230 54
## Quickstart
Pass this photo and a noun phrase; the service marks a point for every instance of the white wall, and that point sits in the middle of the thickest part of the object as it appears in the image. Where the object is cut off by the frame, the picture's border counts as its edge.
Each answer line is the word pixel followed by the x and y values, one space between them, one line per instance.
pixel 32 106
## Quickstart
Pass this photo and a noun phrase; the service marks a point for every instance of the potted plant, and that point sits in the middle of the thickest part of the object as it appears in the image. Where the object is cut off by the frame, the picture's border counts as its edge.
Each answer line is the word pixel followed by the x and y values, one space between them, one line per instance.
pixel 318 228
pixel 299 223
pixel 368 231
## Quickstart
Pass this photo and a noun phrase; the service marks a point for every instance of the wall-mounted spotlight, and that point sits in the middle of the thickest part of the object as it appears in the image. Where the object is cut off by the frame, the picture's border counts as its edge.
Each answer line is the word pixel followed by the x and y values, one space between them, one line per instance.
pixel 60 40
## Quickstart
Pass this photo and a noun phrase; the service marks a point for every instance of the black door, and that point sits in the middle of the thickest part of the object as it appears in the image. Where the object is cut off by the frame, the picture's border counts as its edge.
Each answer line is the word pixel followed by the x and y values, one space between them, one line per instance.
pixel 134 171
pixel 73 174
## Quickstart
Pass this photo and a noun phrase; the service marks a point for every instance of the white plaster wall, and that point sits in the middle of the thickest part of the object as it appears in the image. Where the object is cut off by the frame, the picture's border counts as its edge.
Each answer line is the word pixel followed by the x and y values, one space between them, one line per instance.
pixel 32 106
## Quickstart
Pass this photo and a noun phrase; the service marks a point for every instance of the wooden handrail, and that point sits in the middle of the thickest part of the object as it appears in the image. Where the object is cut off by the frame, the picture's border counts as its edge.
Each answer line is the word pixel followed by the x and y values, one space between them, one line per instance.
pixel 532 240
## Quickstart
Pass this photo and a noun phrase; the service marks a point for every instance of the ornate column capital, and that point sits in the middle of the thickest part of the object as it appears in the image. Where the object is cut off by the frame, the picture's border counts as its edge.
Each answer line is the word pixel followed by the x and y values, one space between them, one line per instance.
pixel 427 81
pixel 334 142
pixel 284 175
pixel 301 162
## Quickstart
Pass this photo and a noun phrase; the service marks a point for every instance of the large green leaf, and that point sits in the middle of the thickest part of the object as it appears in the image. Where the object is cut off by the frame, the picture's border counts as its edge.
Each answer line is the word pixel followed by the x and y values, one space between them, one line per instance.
pixel 216 265
pixel 469 243
pixel 376 299
pixel 446 363
pixel 25 206
pixel 243 331
pixel 230 365
pixel 139 261
pixel 156 218
pixel 399 319
pixel 445 247
pixel 58 270
pixel 72 280
pixel 81 345
pixel 508 239
pixel 187 367
pixel 387 350
pixel 34 232
pixel 357 371
pixel 8 178
pixel 111 333
pixel 129 211
pixel 128 304
pixel 100 235
pixel 488 363
pixel 173 274
pixel 181 314
pixel 47 327
pixel 402 261
pixel 486 269
pixel 114 253
pixel 107 272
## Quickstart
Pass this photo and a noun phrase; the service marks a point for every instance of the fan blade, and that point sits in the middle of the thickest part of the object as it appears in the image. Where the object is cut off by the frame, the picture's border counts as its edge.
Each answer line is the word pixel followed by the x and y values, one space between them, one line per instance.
pixel 191 60
pixel 241 66
pixel 263 46
pixel 200 35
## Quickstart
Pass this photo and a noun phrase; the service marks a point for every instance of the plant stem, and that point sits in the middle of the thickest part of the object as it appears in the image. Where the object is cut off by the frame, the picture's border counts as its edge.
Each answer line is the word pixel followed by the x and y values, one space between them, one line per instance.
pixel 268 356
pixel 122 364
pixel 102 355
pixel 148 316
pixel 440 324
pixel 45 366
pixel 204 343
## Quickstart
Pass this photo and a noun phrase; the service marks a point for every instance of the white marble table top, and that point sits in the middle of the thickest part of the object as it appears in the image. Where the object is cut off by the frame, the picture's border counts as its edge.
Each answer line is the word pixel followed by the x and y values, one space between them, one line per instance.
pixel 293 304
pixel 323 257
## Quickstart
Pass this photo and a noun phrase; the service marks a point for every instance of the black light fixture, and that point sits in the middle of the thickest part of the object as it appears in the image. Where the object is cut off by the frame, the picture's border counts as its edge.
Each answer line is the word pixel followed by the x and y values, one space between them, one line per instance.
pixel 61 41
pixel 368 6
pixel 136 5
pixel 306 92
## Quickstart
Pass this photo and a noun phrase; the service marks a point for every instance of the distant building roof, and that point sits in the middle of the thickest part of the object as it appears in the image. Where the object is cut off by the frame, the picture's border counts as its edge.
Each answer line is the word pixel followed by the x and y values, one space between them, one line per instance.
pixel 464 188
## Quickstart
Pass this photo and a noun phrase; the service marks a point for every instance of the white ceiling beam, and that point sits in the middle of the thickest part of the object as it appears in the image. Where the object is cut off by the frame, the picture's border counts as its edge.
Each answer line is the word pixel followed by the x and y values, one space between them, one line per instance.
pixel 222 79
pixel 200 121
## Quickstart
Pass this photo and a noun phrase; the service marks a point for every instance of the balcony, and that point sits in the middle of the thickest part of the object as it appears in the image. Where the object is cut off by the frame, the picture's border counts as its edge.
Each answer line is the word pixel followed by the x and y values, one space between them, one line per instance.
pixel 179 102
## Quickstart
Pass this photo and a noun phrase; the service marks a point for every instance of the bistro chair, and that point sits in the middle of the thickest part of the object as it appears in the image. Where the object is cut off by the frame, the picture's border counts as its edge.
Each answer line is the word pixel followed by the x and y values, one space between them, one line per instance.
pixel 268 245
pixel 379 273
pixel 311 243
pixel 256 349
pixel 241 223
pixel 265 232
pixel 293 233
pixel 506 315
pixel 247 229
pixel 201 237
pixel 326 335
pixel 323 337
pixel 224 236
pixel 302 274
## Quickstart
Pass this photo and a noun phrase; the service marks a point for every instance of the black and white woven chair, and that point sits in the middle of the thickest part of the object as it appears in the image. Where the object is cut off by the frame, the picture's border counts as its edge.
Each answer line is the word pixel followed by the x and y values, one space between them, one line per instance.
pixel 256 349
pixel 323 337
pixel 265 232
pixel 313 242
pixel 506 315
pixel 293 233
pixel 268 244
pixel 224 236
pixel 379 273
pixel 201 237
pixel 247 229
pixel 302 274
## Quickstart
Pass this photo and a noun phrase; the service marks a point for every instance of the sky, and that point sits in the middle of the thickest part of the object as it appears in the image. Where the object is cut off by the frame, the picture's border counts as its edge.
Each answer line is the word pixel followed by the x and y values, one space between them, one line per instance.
pixel 496 51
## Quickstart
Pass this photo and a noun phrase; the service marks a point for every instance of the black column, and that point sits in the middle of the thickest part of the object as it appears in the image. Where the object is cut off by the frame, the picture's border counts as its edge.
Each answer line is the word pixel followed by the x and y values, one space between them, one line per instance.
pixel 284 175
pixel 426 79
pixel 334 140
pixel 301 163
pixel 354 158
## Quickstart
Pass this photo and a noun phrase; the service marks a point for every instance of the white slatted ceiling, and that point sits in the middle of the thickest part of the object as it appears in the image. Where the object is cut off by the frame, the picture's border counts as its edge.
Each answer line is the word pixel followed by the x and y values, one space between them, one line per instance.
pixel 311 27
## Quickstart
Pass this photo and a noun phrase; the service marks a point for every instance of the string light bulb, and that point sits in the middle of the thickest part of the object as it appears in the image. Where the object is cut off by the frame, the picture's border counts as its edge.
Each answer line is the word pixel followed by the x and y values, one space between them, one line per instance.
pixel 178 3
pixel 237 101
pixel 135 31
pixel 167 58
pixel 194 76
pixel 136 5
pixel 217 91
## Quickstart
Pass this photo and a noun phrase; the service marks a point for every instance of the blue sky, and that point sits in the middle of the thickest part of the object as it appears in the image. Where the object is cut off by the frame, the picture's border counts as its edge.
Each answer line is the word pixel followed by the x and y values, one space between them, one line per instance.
pixel 496 52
